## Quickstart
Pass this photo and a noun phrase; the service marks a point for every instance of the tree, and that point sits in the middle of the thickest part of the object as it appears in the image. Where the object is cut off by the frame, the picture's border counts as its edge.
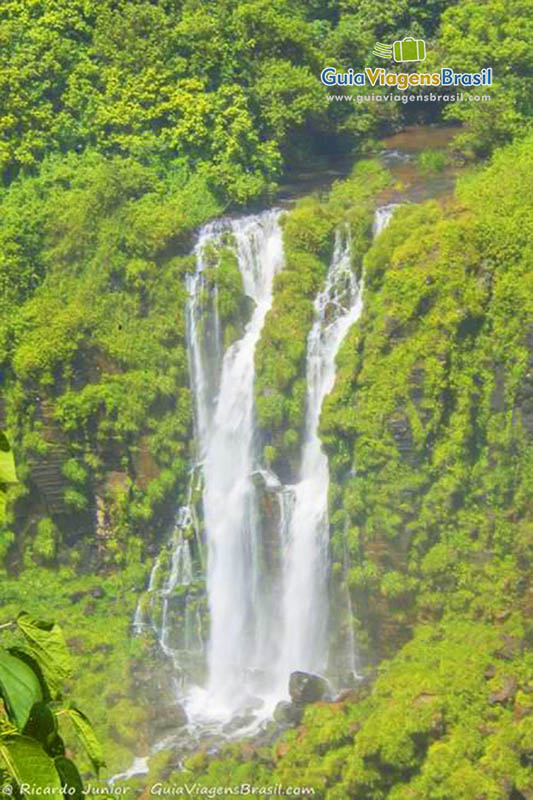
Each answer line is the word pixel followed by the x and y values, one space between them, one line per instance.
pixel 474 35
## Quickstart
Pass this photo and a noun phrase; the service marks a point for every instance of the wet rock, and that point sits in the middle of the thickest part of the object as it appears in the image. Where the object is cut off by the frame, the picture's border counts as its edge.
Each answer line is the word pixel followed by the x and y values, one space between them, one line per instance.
pixel 304 687
pixel 400 429
pixel 287 713
pixel 269 491
pixel 347 696
pixel 237 723
pixel 506 694
pixel 170 718
pixel 354 694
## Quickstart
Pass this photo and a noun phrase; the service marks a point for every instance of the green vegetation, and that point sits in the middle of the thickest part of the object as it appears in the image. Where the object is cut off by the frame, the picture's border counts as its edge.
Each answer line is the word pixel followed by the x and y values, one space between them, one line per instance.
pixel 227 89
pixel 429 432
pixel 92 326
pixel 432 161
pixel 32 751
pixel 431 404
pixel 473 35
pixel 224 290
pixel 95 612
pixel 8 475
pixel 308 238
pixel 126 124
pixel 220 88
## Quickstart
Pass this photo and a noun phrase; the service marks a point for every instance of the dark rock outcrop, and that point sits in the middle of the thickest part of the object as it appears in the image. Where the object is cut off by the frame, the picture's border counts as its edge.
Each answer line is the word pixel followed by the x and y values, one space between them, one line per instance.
pixel 287 713
pixel 304 687
pixel 169 718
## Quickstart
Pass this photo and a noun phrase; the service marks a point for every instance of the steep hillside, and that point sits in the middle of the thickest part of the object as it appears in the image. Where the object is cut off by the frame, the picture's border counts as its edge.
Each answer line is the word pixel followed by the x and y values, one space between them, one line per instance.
pixel 429 435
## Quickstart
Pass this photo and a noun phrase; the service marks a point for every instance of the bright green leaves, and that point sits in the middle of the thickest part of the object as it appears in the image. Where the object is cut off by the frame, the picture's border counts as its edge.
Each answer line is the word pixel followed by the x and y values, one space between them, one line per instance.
pixel 45 642
pixel 7 471
pixel 7 462
pixel 27 762
pixel 87 736
pixel 20 688
pixel 157 80
pixel 497 35
pixel 31 749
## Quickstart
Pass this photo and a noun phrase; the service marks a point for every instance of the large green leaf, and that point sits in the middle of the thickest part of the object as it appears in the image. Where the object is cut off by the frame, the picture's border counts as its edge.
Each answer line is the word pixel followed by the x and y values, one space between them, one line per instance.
pixel 87 736
pixel 42 725
pixel 26 762
pixel 47 645
pixel 70 777
pixel 7 462
pixel 20 688
pixel 20 652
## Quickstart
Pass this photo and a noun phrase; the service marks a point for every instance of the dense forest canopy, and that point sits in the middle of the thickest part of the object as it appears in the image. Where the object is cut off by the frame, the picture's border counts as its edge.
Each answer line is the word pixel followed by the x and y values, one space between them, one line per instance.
pixel 125 125
pixel 231 90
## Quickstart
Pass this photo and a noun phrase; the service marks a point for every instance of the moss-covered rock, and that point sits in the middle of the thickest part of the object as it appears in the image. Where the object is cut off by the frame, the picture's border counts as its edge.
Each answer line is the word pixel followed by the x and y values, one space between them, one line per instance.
pixel 308 238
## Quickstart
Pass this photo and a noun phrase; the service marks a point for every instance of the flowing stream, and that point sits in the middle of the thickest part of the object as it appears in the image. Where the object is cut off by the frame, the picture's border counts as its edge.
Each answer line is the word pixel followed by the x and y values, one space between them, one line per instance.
pixel 264 623
pixel 305 596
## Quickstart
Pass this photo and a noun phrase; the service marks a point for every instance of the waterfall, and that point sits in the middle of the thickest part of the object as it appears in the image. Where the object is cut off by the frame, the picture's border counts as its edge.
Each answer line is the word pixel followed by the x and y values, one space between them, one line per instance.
pixel 305 599
pixel 382 217
pixel 226 430
pixel 265 620
pixel 167 595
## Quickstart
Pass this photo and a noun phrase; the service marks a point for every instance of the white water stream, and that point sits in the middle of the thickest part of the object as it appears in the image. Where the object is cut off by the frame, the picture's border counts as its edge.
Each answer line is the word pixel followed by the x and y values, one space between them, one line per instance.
pixel 262 627
pixel 240 618
pixel 305 597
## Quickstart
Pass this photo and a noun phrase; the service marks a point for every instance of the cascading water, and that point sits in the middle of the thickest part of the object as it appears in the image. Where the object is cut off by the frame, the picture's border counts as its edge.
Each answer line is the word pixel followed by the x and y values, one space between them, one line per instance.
pixel 257 619
pixel 239 610
pixel 382 217
pixel 305 600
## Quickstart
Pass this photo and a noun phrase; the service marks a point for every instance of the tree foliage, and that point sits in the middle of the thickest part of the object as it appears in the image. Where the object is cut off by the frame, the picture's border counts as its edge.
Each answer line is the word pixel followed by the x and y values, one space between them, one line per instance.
pixel 32 751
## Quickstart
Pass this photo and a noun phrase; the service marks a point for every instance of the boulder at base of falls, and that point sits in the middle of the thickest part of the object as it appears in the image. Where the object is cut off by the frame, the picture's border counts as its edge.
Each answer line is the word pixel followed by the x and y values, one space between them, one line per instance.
pixel 304 687
pixel 287 713
pixel 170 718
